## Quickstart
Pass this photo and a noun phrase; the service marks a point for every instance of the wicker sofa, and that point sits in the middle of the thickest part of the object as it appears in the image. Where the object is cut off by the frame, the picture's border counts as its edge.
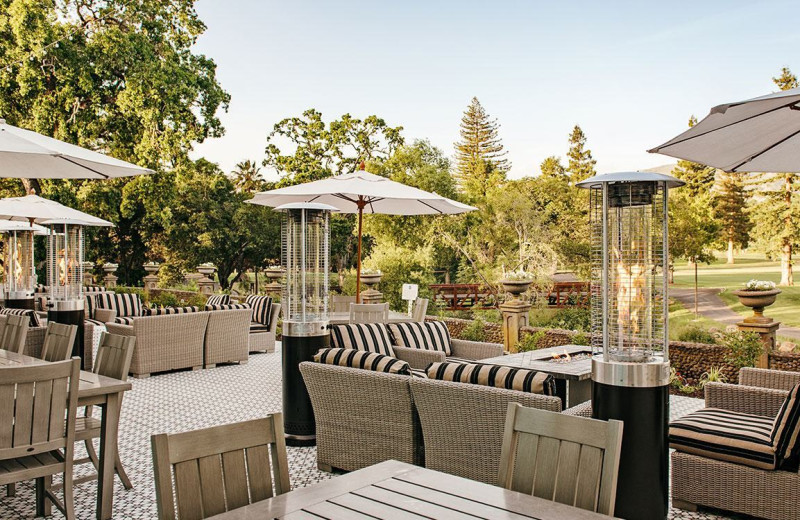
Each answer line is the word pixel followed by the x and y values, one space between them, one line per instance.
pixel 262 339
pixel 697 480
pixel 227 337
pixel 459 348
pixel 365 417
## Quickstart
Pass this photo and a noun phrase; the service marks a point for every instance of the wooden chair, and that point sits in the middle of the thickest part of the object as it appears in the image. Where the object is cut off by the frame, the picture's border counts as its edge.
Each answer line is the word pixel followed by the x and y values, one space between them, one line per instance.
pixel 571 460
pixel 420 309
pixel 58 341
pixel 340 303
pixel 33 403
pixel 15 333
pixel 3 321
pixel 200 458
pixel 369 313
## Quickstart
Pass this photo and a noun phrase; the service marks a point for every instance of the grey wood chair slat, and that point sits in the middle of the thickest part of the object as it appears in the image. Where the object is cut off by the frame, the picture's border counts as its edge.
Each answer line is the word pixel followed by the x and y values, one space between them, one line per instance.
pixel 341 303
pixel 3 321
pixel 420 309
pixel 58 341
pixel 33 403
pixel 369 313
pixel 220 468
pixel 566 459
pixel 15 333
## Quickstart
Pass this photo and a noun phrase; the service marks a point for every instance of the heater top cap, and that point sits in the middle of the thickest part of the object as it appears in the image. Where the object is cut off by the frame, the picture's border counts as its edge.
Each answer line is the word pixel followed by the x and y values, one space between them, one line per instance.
pixel 611 178
pixel 306 205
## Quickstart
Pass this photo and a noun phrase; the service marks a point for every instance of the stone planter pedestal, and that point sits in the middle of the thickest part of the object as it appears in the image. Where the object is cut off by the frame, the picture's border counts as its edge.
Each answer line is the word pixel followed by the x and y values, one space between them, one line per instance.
pixel 515 312
pixel 762 325
pixel 151 278
pixel 371 294
pixel 109 280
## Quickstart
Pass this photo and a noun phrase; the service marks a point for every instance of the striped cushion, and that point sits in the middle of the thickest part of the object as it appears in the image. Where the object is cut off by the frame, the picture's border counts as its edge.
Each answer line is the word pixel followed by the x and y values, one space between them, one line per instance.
pixel 161 311
pixel 124 321
pixel 786 432
pixel 262 308
pixel 724 435
pixel 426 335
pixel 90 304
pixel 226 307
pixel 30 313
pixel 371 337
pixel 93 288
pixel 347 357
pixel 126 305
pixel 498 376
pixel 219 299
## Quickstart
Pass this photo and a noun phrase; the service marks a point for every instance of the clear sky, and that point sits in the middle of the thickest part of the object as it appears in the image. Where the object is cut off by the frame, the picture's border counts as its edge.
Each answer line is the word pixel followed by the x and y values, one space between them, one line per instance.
pixel 630 73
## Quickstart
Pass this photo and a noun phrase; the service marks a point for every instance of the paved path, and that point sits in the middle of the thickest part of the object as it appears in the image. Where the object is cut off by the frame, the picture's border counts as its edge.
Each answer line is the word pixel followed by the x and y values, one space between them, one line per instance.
pixel 710 305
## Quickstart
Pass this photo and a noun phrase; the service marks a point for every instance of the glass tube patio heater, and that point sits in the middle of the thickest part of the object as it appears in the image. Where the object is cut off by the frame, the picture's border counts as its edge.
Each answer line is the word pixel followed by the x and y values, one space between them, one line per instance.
pixel 630 309
pixel 65 256
pixel 305 256
pixel 20 269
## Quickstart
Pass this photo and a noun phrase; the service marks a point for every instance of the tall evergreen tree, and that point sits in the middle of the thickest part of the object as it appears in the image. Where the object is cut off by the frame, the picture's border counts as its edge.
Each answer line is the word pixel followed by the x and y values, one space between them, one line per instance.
pixel 777 216
pixel 730 200
pixel 480 158
pixel 581 164
pixel 699 178
pixel 552 167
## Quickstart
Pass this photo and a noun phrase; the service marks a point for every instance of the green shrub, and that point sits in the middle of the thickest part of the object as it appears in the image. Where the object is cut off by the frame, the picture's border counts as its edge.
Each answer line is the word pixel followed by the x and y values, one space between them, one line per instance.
pixel 488 315
pixel 713 375
pixel 745 348
pixel 165 299
pixel 531 341
pixel 581 338
pixel 695 334
pixel 475 331
pixel 568 318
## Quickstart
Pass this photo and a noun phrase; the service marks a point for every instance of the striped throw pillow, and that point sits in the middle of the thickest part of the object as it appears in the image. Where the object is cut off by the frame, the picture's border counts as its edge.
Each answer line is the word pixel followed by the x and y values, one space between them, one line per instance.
pixel 124 321
pixel 161 311
pixel 90 304
pixel 262 308
pixel 219 299
pixel 30 313
pixel 126 305
pixel 786 432
pixel 498 376
pixel 714 433
pixel 370 337
pixel 226 307
pixel 347 357
pixel 426 335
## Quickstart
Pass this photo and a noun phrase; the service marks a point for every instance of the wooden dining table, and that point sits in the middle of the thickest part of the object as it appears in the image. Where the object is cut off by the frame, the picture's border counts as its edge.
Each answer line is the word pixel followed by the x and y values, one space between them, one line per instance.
pixel 97 390
pixel 396 490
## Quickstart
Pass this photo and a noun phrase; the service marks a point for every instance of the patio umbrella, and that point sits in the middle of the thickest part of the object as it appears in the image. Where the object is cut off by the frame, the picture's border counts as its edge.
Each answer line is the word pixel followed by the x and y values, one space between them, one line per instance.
pixel 35 209
pixel 361 192
pixel 28 155
pixel 756 135
pixel 14 225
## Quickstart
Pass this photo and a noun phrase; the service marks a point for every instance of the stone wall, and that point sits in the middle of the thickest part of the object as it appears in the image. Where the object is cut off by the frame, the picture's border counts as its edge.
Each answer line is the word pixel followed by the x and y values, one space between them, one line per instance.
pixel 785 361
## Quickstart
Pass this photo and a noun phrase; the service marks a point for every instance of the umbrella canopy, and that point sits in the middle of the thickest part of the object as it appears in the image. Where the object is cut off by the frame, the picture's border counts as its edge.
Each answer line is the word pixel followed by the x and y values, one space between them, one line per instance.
pixel 361 192
pixel 14 225
pixel 756 135
pixel 33 208
pixel 27 155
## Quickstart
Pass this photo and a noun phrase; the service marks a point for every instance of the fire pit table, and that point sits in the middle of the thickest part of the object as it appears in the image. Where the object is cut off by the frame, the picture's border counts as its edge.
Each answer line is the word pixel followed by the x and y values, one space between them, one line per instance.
pixel 570 365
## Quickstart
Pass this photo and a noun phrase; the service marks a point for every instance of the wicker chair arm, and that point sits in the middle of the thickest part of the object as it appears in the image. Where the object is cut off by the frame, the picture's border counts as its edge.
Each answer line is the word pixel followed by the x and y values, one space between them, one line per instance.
pixel 775 379
pixel 119 328
pixel 580 410
pixel 462 348
pixel 105 315
pixel 274 315
pixel 416 357
pixel 745 399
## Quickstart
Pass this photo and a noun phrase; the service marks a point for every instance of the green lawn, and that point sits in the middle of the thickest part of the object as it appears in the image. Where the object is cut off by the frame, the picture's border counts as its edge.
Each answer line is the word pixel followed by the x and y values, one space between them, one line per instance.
pixel 681 319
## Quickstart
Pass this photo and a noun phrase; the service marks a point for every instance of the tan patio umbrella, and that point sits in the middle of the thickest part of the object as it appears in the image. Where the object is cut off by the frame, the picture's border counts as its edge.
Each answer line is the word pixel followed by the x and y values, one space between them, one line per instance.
pixel 361 192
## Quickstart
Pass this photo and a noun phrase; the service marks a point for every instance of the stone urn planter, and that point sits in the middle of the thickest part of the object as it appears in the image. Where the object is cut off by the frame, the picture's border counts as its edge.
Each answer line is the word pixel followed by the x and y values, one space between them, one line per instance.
pixel 274 273
pixel 757 300
pixel 515 287
pixel 206 269
pixel 109 267
pixel 152 267
pixel 371 279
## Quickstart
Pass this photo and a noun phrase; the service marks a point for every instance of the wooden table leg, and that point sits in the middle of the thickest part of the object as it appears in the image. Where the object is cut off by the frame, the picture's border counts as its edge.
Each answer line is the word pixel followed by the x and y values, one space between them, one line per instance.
pixel 108 454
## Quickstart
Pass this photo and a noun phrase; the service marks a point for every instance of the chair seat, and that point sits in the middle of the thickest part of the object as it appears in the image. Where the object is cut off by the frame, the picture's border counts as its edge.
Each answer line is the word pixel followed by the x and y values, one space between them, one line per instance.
pixel 32 466
pixel 87 428
pixel 724 435
pixel 258 327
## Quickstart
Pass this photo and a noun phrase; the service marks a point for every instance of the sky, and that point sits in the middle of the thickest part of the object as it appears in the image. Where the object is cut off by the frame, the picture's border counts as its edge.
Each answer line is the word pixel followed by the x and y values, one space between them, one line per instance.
pixel 629 73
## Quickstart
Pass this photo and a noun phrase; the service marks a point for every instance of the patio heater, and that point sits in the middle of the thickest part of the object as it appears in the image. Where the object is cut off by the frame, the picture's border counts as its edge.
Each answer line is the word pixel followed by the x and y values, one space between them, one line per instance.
pixel 630 364
pixel 305 256
pixel 20 269
pixel 65 255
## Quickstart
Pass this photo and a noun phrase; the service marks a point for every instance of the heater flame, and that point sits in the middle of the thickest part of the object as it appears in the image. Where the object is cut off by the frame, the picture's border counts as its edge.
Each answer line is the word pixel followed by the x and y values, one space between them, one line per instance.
pixel 17 262
pixel 631 281
pixel 562 357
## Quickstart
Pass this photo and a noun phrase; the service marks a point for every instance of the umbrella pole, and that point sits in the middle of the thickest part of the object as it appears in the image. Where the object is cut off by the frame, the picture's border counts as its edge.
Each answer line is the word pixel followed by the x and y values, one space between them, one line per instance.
pixel 358 267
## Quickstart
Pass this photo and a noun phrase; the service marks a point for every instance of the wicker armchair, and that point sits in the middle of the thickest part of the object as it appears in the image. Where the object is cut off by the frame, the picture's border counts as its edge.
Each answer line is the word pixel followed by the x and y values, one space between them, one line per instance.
pixel 363 417
pixel 706 482
pixel 459 348
pixel 227 337
pixel 261 340
pixel 463 424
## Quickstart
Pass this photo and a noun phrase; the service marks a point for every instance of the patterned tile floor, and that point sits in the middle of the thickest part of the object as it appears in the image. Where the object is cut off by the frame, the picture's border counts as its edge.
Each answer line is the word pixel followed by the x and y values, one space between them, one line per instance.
pixel 189 400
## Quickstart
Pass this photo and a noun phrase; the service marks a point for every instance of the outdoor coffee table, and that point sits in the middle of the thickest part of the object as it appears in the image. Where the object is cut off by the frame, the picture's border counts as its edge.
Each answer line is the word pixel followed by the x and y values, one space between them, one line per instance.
pixel 393 489
pixel 573 377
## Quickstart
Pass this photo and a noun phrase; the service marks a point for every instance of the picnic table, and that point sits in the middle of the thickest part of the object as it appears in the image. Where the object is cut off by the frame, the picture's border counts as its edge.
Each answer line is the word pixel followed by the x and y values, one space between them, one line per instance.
pixel 96 390
pixel 396 490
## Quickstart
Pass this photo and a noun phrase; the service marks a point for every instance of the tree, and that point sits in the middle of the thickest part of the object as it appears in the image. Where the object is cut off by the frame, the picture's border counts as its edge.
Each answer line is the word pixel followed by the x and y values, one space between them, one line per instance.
pixel 581 164
pixel 247 177
pixel 729 202
pixel 552 167
pixel 777 215
pixel 480 159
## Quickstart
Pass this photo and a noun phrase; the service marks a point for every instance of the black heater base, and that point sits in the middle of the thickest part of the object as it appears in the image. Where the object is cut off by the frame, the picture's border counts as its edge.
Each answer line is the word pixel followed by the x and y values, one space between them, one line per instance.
pixel 71 317
pixel 19 303
pixel 298 415
pixel 642 486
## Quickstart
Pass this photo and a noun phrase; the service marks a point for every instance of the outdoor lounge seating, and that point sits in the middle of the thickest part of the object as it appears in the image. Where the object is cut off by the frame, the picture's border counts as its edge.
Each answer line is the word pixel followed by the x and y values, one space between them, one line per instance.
pixel 262 337
pixel 227 336
pixel 700 480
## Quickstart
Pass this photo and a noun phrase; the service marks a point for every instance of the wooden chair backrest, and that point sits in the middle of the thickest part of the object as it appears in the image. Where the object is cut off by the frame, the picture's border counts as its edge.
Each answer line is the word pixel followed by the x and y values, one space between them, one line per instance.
pixel 369 313
pixel 341 303
pixel 571 460
pixel 211 476
pixel 114 356
pixel 3 321
pixel 420 309
pixel 15 333
pixel 58 341
pixel 34 400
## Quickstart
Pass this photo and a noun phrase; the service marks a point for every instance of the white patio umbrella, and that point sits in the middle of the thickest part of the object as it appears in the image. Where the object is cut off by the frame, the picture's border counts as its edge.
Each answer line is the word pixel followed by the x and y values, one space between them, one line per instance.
pixel 35 209
pixel 28 155
pixel 756 135
pixel 15 225
pixel 361 192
